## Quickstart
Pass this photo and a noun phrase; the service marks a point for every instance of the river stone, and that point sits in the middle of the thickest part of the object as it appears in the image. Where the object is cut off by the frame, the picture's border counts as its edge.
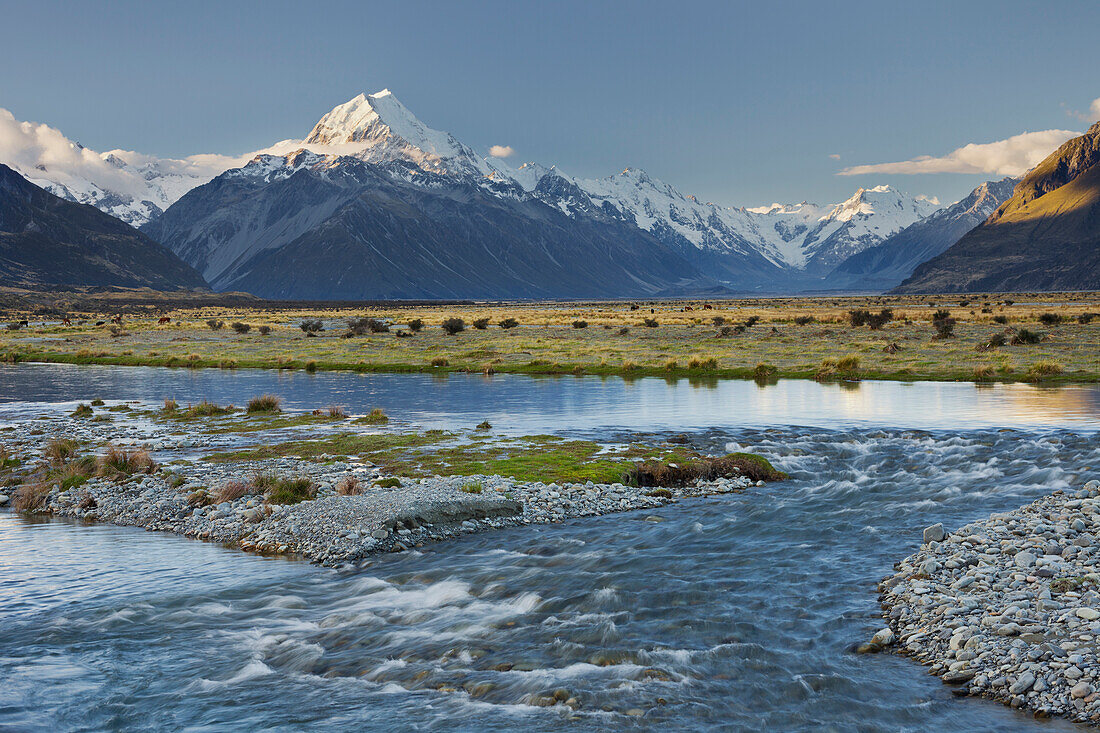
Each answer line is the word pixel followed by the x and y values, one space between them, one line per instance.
pixel 1089 614
pixel 883 637
pixel 1022 684
pixel 1081 689
pixel 1024 559
pixel 934 533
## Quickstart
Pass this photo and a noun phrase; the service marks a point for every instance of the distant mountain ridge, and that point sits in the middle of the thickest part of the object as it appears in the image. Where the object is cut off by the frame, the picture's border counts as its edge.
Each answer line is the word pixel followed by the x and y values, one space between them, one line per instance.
pixel 886 265
pixel 48 241
pixel 1046 236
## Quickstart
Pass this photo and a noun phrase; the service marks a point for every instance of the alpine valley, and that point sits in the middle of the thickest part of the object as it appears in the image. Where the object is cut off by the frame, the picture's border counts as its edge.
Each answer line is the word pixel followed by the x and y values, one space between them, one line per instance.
pixel 373 203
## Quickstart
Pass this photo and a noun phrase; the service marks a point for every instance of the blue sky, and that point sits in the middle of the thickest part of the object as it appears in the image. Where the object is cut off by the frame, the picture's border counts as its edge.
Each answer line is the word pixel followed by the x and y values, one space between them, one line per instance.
pixel 740 103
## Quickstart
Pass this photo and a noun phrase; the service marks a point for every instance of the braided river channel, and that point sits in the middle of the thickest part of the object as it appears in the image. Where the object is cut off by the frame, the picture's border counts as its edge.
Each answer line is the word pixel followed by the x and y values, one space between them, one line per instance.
pixel 732 612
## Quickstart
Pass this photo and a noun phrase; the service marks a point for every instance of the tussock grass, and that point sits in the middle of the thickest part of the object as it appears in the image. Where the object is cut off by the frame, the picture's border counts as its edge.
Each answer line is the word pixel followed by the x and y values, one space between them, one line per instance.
pixel 118 463
pixel 267 404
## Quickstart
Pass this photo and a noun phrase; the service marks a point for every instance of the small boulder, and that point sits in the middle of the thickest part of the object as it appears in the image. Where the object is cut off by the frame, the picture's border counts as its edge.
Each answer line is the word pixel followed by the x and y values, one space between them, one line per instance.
pixel 934 533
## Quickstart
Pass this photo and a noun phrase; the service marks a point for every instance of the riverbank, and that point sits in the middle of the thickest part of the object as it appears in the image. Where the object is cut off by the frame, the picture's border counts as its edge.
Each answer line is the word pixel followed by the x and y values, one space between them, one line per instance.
pixel 1045 338
pixel 1008 607
pixel 329 487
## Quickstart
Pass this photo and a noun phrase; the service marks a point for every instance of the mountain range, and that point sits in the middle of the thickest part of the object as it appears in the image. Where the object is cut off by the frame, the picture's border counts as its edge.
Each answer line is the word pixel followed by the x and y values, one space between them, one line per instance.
pixel 1046 236
pixel 48 241
pixel 374 203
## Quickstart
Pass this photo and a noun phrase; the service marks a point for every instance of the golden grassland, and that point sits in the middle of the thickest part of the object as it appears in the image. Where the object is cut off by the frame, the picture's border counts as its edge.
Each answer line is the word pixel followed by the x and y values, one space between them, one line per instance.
pixel 690 338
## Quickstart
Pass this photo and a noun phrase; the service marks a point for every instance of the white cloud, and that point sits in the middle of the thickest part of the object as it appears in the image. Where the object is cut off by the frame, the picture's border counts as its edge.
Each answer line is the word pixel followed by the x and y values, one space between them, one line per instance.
pixel 1093 114
pixel 501 151
pixel 835 156
pixel 1011 157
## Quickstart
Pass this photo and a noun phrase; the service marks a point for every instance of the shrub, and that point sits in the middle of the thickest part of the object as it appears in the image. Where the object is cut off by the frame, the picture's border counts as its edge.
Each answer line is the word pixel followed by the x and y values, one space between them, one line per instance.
pixel 361 326
pixel 804 320
pixel 671 365
pixel 1085 318
pixel 1050 319
pixel 311 325
pixel 508 323
pixel 858 317
pixel 875 321
pixel 117 463
pixel 117 331
pixel 983 373
pixel 718 321
pixel 232 490
pixel 1000 319
pixel 208 409
pixel 376 417
pixel 481 323
pixel 763 372
pixel 60 451
pixel 215 324
pixel 311 366
pixel 471 487
pixel 580 324
pixel 388 483
pixel 751 321
pixel 97 403
pixel 289 491
pixel 82 410
pixel 659 493
pixel 650 323
pixel 265 330
pixel 453 325
pixel 995 341
pixel 944 324
pixel 31 497
pixel 656 473
pixel 267 404
pixel 624 331
pixel 1024 337
pixel 438 361
pixel 241 328
pixel 1041 369
pixel 484 425
pixel 349 486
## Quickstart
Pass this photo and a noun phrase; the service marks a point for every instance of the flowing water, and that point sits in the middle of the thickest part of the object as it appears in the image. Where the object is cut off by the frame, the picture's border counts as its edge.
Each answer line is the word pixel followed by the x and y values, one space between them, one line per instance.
pixel 732 612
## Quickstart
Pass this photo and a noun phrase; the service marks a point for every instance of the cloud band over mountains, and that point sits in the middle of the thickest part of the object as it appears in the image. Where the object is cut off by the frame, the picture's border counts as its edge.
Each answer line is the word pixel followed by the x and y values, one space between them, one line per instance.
pixel 1010 157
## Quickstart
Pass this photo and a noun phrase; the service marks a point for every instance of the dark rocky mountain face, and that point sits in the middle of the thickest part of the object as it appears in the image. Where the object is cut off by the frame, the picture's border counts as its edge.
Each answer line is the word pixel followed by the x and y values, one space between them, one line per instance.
pixel 1045 237
pixel 322 227
pixel 886 265
pixel 46 240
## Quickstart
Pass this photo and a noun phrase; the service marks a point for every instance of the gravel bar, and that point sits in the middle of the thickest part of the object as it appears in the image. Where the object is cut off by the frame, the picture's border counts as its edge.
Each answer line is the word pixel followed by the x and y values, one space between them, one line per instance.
pixel 1007 608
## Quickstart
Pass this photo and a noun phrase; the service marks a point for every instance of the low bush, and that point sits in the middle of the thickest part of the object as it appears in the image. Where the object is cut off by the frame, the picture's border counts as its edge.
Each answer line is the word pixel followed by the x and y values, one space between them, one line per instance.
pixel 1023 337
pixel 265 330
pixel 233 490
pixel 267 404
pixel 438 361
pixel 657 473
pixel 1086 318
pixel 311 366
pixel 764 372
pixel 376 417
pixel 118 463
pixel 718 321
pixel 580 324
pixel 1000 319
pixel 624 331
pixel 1050 319
pixel 215 324
pixel 453 325
pixel 349 486
pixel 82 410
pixel 97 403
pixel 311 325
pixel 508 323
pixel 751 321
pixel 804 320
pixel 650 322
pixel 1041 369
pixel 362 326
pixel 471 487
pixel 484 425
pixel 241 328
pixel 289 490
pixel 481 323
pixel 995 341
pixel 944 324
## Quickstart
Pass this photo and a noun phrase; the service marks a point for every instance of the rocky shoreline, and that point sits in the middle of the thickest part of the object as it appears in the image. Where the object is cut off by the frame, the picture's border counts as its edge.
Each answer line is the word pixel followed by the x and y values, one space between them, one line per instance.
pixel 386 514
pixel 1007 608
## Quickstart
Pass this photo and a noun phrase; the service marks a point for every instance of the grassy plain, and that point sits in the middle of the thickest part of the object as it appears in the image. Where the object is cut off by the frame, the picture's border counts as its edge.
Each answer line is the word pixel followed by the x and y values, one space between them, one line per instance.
pixel 763 338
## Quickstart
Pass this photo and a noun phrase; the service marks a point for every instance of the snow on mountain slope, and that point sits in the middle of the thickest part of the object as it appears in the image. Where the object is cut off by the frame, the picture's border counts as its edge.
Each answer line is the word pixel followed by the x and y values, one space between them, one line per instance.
pixel 378 129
